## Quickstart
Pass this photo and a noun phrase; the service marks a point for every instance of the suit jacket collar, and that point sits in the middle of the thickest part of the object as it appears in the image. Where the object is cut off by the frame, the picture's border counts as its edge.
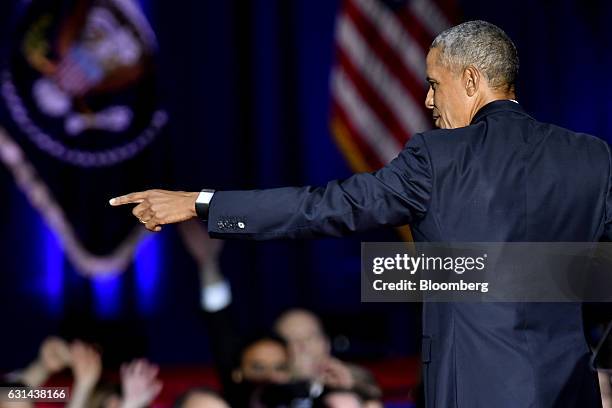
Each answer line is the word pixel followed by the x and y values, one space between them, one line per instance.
pixel 501 105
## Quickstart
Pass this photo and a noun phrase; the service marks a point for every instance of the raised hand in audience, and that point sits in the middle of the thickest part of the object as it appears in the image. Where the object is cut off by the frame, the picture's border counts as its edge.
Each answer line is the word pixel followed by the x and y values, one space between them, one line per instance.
pixel 86 365
pixel 139 384
pixel 336 374
pixel 53 356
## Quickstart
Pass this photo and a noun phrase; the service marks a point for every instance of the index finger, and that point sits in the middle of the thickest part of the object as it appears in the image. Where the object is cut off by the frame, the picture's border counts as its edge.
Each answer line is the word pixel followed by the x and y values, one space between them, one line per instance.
pixel 132 198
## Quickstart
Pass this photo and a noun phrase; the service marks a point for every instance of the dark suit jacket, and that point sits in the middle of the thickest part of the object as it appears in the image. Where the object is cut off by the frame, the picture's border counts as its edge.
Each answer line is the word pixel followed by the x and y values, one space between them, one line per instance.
pixel 506 177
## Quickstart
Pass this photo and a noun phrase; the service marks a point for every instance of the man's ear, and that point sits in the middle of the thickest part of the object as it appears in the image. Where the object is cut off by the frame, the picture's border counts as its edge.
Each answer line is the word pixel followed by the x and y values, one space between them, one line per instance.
pixel 471 80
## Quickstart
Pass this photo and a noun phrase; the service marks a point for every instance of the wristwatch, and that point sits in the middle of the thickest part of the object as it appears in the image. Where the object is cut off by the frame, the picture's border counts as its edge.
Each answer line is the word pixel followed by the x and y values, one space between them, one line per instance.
pixel 203 202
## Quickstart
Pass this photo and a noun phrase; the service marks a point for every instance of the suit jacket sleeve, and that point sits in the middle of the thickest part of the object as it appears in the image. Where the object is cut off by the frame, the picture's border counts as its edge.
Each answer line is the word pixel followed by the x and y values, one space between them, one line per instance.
pixel 397 194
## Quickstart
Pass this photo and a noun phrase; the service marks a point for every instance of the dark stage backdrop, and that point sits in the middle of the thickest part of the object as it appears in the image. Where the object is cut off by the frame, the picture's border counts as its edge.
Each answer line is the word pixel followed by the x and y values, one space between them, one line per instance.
pixel 246 87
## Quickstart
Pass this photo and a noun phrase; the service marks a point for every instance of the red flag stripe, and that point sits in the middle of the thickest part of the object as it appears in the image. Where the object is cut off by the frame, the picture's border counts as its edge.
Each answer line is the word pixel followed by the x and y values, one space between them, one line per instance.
pixel 403 103
pixel 389 28
pixel 363 118
pixel 377 84
pixel 411 76
pixel 369 93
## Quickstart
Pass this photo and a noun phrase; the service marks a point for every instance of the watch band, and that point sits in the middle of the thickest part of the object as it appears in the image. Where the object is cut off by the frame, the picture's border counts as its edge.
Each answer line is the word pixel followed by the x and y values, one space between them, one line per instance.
pixel 203 203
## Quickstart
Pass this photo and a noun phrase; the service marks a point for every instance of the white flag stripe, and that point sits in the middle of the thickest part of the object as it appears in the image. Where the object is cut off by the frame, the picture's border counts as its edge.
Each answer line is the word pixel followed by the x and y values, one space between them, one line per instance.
pixel 428 12
pixel 395 35
pixel 367 123
pixel 406 109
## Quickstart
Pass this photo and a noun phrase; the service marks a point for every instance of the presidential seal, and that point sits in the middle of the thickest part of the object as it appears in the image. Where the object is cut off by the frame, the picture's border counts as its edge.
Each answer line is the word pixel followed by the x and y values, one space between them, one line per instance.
pixel 79 82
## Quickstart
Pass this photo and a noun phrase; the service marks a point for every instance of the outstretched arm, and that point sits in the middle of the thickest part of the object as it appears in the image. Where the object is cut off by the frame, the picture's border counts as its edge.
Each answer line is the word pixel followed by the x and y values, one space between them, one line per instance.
pixel 395 195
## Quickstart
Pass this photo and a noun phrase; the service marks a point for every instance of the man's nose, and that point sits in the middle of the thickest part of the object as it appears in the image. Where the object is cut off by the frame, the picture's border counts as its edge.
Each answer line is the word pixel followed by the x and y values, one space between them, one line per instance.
pixel 429 99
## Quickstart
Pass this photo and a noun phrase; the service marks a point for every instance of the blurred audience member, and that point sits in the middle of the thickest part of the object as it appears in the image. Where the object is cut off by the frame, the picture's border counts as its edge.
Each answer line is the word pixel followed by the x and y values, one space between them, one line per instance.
pixel 598 327
pixel 105 395
pixel 139 383
pixel 605 388
pixel 139 387
pixel 311 358
pixel 365 385
pixel 336 374
pixel 53 357
pixel 309 347
pixel 263 359
pixel 340 399
pixel 200 397
pixel 86 365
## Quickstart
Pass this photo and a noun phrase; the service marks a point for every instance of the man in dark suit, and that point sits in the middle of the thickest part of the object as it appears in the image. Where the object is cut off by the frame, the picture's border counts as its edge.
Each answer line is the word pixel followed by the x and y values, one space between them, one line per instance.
pixel 491 173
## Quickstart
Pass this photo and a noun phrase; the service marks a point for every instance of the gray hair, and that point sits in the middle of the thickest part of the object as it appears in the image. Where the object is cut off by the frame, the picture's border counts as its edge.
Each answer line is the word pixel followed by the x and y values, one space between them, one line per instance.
pixel 483 45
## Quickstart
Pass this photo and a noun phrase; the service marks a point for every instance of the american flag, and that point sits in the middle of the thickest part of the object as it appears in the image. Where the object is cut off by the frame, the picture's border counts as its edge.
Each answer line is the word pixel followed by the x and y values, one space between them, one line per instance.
pixel 378 81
